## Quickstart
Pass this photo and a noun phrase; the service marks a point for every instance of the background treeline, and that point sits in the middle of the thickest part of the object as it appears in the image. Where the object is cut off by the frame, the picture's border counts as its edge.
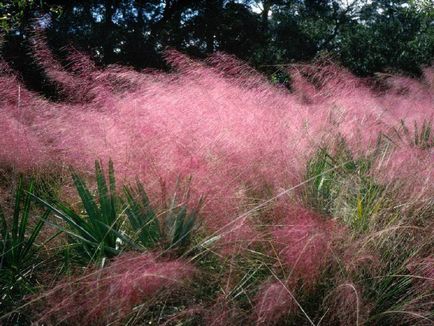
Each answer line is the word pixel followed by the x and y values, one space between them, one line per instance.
pixel 365 36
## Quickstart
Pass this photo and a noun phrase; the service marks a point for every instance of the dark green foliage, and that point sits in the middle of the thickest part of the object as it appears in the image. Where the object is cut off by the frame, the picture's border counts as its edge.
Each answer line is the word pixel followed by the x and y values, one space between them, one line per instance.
pixel 18 248
pixel 142 218
pixel 179 225
pixel 16 244
pixel 93 232
pixel 398 294
pixel 173 231
pixel 320 189
pixel 176 225
pixel 340 186
pixel 366 37
pixel 388 291
pixel 14 12
pixel 389 34
pixel 110 223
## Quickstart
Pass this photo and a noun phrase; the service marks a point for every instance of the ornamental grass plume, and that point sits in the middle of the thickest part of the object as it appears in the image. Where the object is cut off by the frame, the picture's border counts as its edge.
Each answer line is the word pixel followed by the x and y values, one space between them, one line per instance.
pixel 221 313
pixel 246 145
pixel 304 242
pixel 273 302
pixel 109 295
pixel 216 120
pixel 345 306
pixel 21 148
pixel 425 269
pixel 420 305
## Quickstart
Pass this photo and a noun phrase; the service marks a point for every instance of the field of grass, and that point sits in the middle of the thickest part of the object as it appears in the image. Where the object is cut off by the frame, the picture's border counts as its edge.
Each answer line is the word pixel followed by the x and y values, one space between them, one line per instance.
pixel 208 196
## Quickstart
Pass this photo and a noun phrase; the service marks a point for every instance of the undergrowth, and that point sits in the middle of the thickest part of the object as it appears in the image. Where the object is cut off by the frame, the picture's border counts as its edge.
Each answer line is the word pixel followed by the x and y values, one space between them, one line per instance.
pixel 233 203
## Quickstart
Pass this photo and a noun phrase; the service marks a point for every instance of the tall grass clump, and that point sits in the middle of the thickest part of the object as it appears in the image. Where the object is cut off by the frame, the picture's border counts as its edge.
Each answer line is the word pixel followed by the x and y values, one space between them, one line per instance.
pixel 109 295
pixel 343 187
pixel 106 223
pixel 316 204
pixel 19 243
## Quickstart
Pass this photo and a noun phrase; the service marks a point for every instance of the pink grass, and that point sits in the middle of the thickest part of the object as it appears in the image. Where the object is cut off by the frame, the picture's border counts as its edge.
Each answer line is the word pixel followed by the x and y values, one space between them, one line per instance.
pixel 273 303
pixel 241 139
pixel 304 243
pixel 110 294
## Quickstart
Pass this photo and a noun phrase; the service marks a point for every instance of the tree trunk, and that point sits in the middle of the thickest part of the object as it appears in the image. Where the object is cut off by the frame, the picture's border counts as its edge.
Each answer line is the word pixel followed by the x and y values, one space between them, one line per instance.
pixel 264 16
pixel 108 30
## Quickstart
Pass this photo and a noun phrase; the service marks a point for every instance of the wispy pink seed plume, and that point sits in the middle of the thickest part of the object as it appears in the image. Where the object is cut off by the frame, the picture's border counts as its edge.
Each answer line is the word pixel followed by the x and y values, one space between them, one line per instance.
pixel 221 313
pixel 304 243
pixel 273 302
pixel 241 139
pixel 110 294
pixel 346 306
pixel 424 270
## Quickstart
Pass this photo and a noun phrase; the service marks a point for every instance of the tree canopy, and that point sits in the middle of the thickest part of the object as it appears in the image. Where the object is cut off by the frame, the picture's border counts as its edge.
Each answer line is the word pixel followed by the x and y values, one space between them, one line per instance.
pixel 365 36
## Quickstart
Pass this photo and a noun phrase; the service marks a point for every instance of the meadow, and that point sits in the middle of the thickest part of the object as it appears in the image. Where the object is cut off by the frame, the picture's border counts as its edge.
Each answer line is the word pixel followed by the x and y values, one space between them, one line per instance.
pixel 207 195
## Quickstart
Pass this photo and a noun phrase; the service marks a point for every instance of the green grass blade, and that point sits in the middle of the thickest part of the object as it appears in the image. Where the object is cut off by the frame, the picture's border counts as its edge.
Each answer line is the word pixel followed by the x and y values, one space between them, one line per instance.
pixel 16 214
pixel 89 204
pixel 103 195
pixel 122 237
pixel 37 229
pixel 107 209
pixel 178 226
pixel 23 225
pixel 142 217
pixel 68 218
pixel 112 182
pixel 76 236
pixel 4 225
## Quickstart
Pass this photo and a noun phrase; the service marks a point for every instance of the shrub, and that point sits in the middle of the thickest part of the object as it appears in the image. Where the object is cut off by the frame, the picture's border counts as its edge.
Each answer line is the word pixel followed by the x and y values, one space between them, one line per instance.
pixel 94 235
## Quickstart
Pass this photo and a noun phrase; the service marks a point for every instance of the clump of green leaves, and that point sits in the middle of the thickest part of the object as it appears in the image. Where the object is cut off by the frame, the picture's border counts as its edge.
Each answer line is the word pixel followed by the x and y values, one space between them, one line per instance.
pixel 142 218
pixel 179 224
pixel 93 232
pixel 340 185
pixel 111 222
pixel 18 247
pixel 176 225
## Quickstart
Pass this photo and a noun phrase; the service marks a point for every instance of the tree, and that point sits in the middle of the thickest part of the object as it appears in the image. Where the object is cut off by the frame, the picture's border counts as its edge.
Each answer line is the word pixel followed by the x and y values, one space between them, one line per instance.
pixel 390 34
pixel 366 36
